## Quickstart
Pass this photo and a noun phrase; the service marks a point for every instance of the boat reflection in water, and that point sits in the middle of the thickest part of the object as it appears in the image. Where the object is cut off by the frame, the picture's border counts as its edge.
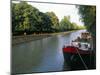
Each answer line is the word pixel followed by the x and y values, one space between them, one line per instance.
pixel 79 55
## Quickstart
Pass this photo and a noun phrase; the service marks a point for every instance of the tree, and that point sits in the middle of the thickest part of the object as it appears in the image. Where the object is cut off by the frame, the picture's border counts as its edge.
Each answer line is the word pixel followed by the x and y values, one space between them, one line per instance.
pixel 88 16
pixel 24 17
pixel 44 23
pixel 13 17
pixel 74 26
pixel 27 18
pixel 65 23
pixel 54 19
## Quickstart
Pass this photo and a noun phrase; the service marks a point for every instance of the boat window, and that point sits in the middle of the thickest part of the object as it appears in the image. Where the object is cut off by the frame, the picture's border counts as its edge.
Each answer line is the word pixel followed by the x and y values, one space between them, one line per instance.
pixel 79 44
pixel 86 46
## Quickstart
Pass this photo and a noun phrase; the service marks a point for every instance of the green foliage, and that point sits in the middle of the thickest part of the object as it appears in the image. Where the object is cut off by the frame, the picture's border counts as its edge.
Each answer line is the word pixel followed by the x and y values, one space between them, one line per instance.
pixel 54 19
pixel 88 16
pixel 66 25
pixel 44 23
pixel 26 18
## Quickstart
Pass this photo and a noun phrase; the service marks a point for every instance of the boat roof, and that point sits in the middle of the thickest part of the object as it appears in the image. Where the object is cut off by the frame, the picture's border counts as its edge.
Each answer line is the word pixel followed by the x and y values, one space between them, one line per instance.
pixel 85 32
pixel 83 45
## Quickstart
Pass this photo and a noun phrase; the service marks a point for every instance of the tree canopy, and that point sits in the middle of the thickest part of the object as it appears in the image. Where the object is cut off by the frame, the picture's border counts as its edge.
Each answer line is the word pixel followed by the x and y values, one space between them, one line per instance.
pixel 88 16
pixel 54 19
pixel 66 24
pixel 27 18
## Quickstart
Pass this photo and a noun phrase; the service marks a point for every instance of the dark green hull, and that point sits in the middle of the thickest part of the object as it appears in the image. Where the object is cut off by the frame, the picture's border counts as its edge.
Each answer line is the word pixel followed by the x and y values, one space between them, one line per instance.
pixel 84 61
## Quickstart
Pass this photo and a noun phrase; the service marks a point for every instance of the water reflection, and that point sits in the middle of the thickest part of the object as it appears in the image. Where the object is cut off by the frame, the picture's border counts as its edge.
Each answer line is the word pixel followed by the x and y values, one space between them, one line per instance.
pixel 41 55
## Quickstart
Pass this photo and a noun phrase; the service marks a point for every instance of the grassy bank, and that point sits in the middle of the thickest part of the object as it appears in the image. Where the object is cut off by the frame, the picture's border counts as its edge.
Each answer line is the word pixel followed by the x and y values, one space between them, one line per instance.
pixel 33 37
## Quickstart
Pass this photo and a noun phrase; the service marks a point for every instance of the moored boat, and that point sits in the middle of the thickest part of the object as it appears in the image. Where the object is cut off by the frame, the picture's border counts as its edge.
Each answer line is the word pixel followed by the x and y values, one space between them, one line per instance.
pixel 79 52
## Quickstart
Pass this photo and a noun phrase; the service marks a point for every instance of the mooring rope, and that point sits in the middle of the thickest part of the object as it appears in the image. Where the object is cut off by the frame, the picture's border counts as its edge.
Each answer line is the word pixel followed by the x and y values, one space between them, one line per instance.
pixel 82 60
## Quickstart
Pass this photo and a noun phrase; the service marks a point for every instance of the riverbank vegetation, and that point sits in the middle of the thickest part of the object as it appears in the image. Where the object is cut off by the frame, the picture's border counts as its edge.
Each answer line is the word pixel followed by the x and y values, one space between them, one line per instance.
pixel 29 20
pixel 88 16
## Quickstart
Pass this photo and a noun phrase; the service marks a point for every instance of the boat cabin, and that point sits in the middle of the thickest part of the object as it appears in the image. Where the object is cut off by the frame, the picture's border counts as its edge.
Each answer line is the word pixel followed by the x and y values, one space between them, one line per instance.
pixel 81 45
pixel 85 35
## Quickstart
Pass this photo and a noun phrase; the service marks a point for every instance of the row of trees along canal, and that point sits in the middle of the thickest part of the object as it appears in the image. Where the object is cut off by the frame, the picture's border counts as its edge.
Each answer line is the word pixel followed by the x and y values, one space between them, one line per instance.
pixel 28 19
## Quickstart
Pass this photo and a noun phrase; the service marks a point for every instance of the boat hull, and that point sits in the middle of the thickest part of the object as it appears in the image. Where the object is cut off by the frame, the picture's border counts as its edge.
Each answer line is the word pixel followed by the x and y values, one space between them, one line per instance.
pixel 77 62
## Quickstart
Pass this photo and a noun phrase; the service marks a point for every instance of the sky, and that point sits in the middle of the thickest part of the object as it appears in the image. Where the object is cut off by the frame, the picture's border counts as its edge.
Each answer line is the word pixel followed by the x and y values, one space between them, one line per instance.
pixel 60 10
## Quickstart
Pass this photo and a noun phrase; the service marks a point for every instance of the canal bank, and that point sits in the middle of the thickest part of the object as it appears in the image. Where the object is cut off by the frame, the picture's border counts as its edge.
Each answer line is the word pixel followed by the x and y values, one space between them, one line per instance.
pixel 33 37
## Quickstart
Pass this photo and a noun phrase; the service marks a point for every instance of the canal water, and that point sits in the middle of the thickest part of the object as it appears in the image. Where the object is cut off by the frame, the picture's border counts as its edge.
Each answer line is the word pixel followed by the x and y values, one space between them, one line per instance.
pixel 41 55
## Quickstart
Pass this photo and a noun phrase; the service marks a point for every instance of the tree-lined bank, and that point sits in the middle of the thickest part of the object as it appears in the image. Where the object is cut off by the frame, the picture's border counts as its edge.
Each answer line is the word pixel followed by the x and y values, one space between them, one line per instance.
pixel 28 19
pixel 34 37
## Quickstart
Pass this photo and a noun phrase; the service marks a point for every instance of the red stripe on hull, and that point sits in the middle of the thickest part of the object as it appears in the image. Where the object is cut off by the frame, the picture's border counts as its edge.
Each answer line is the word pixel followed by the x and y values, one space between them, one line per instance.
pixel 72 49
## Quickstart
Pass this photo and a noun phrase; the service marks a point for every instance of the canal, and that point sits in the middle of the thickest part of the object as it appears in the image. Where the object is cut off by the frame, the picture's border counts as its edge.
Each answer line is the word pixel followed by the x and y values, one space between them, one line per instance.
pixel 41 55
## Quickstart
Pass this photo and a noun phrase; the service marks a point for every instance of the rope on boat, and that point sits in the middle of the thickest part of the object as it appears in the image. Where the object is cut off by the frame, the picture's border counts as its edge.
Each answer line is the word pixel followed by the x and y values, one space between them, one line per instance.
pixel 82 60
